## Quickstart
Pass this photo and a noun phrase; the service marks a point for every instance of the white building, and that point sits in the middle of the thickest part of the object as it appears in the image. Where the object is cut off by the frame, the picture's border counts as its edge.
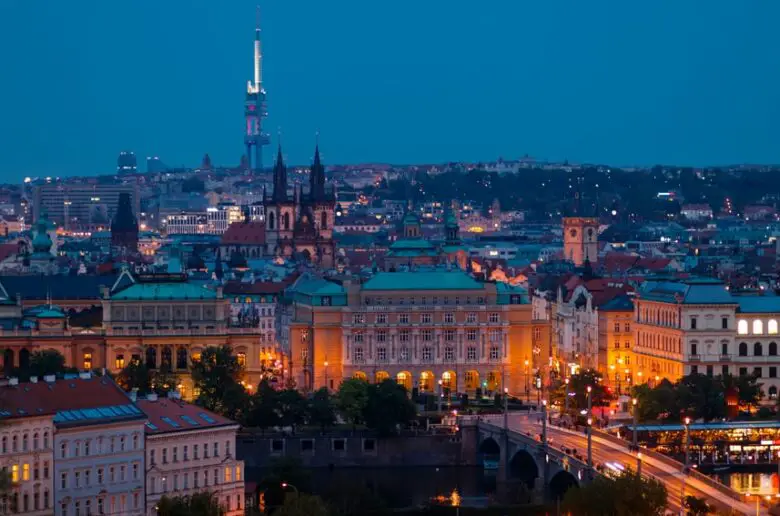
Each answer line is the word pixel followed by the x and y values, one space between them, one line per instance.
pixel 26 437
pixel 98 448
pixel 188 450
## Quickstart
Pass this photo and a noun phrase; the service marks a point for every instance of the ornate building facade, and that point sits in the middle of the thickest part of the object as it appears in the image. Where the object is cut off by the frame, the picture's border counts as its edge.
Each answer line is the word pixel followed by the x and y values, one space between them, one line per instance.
pixel 424 329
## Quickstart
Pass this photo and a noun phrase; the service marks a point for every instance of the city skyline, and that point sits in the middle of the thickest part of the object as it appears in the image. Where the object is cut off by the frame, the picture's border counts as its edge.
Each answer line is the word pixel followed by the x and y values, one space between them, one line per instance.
pixel 381 85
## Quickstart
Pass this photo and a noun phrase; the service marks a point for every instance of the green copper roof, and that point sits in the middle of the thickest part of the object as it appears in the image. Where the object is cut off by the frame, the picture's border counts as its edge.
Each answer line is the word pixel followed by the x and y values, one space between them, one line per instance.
pixel 171 290
pixel 410 218
pixel 318 286
pixel 407 244
pixel 422 280
pixel 411 253
pixel 702 291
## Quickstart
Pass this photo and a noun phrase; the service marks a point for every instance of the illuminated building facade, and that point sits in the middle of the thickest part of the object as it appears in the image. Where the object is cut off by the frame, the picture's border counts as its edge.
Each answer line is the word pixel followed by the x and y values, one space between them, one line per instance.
pixel 418 328
pixel 616 360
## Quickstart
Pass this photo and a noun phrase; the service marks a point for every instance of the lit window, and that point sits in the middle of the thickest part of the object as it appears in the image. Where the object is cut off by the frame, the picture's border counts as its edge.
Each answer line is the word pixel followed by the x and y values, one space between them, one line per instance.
pixel 758 327
pixel 119 362
pixel 228 473
pixel 772 327
pixel 241 357
pixel 238 473
pixel 15 473
pixel 196 356
pixel 87 360
pixel 742 327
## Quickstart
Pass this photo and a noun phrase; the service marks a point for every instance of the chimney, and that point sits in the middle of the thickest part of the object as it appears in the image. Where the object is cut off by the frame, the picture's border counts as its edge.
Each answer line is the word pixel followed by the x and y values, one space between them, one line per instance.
pixel 85 375
pixel 33 379
pixel 13 381
pixel 134 395
pixel 49 378
pixel 151 397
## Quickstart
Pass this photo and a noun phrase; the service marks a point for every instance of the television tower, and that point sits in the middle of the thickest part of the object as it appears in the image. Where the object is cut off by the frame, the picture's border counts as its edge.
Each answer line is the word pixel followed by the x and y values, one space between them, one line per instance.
pixel 255 109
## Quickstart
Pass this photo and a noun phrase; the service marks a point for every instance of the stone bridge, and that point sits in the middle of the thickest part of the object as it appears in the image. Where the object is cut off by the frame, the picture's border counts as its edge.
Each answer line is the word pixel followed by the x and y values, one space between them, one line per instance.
pixel 520 457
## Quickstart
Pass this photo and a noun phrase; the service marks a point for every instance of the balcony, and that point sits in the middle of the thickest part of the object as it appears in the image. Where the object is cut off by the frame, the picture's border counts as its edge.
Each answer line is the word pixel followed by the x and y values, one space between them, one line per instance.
pixel 725 358
pixel 694 358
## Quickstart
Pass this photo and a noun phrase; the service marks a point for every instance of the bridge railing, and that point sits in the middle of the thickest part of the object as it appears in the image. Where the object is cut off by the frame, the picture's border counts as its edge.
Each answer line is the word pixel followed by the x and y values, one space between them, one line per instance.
pixel 660 457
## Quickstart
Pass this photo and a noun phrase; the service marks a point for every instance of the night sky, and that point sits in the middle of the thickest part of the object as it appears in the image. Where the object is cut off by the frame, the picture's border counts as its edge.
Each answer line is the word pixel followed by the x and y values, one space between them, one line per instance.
pixel 408 81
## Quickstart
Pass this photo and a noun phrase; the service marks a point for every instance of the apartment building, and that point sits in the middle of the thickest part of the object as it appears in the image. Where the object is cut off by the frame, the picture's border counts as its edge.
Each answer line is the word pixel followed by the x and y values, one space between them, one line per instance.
pixel 189 449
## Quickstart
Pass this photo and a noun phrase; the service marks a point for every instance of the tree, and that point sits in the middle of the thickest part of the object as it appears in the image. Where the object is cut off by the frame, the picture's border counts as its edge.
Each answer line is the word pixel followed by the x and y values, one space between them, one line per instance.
pixel 46 362
pixel 601 395
pixel 288 470
pixel 627 495
pixel 292 408
pixel 198 504
pixel 388 407
pixel 264 407
pixel 355 499
pixel 215 375
pixel 135 375
pixel 193 184
pixel 163 380
pixel 302 504
pixel 352 399
pixel 697 506
pixel 320 410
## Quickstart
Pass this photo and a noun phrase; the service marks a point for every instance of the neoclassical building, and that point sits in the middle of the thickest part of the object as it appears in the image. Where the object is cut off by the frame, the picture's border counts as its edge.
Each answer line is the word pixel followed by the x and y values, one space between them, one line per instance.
pixel 419 327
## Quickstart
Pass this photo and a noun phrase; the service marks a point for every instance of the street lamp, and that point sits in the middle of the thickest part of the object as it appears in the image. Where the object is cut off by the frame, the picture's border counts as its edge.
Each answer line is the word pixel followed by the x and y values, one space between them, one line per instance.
pixel 441 394
pixel 686 422
pixel 285 485
pixel 326 375
pixel 566 399
pixel 506 409
pixel 527 389
pixel 634 401
pixel 544 424
pixel 590 432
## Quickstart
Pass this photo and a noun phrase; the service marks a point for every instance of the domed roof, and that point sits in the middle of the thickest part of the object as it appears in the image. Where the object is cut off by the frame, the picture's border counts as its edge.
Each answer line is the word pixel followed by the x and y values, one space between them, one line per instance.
pixel 411 218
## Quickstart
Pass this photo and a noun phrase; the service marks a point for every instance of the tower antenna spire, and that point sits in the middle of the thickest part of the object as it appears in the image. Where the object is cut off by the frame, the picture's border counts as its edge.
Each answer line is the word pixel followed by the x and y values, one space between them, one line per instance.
pixel 258 54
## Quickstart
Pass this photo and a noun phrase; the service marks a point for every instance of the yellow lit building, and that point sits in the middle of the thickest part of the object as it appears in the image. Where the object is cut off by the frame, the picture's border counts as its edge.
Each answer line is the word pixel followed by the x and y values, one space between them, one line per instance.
pixel 421 328
pixel 616 360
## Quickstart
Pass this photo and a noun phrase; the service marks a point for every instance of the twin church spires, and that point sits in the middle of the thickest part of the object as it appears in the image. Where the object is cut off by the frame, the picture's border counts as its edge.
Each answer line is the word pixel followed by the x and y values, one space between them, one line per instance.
pixel 316 179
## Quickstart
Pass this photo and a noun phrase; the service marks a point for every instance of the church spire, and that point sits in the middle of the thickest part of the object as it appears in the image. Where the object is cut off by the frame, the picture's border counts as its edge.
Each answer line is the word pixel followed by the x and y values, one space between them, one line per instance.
pixel 280 177
pixel 317 175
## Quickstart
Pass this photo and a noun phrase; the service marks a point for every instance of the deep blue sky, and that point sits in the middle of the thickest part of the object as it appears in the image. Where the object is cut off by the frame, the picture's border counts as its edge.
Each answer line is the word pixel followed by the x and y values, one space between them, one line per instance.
pixel 622 82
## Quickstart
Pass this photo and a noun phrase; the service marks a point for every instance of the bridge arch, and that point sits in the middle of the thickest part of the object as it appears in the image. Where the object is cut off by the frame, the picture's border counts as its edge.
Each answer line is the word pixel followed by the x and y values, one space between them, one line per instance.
pixel 489 447
pixel 562 482
pixel 523 467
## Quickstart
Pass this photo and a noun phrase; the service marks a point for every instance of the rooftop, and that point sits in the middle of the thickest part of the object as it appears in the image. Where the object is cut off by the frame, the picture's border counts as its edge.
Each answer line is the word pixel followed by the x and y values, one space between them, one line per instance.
pixel 173 290
pixel 167 415
pixel 422 280
pixel 702 291
pixel 72 401
pixel 758 304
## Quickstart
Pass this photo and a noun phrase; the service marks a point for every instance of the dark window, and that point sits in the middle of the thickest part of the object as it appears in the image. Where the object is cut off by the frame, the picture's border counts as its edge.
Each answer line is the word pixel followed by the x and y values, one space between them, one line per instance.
pixel 758 350
pixel 724 370
pixel 693 323
pixel 694 349
pixel 339 444
pixel 151 358
pixel 709 371
pixel 743 349
pixel 307 444
pixel 743 371
pixel 277 445
pixel 757 372
pixel 724 349
pixel 369 445
pixel 773 372
pixel 181 358
pixel 694 369
pixel 724 323
pixel 773 349
pixel 167 357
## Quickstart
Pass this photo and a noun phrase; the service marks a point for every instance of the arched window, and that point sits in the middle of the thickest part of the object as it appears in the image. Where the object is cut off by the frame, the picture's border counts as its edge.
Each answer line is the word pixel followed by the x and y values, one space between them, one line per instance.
pixel 743 349
pixel 181 358
pixel 773 349
pixel 758 349
pixel 45 440
pixel 323 220
pixel 36 440
pixel 15 444
pixel 167 357
pixel 25 442
pixel 772 327
pixel 5 445
pixel 271 220
pixel 151 357
pixel 286 221
pixel 742 327
pixel 758 327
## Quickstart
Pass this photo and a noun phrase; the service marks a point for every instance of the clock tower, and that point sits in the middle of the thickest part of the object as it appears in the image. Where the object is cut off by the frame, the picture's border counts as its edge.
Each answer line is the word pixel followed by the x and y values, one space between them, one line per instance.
pixel 581 240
